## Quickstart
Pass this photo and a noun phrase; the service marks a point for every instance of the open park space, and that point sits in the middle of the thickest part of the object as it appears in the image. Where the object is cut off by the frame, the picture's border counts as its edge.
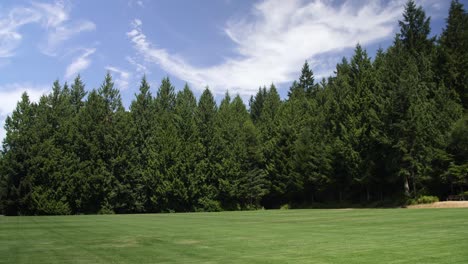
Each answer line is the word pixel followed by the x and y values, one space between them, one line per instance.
pixel 265 236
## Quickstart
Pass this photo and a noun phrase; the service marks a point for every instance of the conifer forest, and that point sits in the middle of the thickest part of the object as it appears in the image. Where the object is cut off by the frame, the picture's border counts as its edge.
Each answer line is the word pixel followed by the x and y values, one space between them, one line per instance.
pixel 378 132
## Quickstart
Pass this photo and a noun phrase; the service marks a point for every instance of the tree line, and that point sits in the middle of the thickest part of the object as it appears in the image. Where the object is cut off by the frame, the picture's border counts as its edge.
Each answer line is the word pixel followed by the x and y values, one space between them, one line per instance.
pixel 377 132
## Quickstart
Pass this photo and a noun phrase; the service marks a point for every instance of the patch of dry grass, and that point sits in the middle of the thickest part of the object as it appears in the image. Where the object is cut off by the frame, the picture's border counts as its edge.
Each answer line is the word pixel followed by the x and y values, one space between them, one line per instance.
pixel 447 204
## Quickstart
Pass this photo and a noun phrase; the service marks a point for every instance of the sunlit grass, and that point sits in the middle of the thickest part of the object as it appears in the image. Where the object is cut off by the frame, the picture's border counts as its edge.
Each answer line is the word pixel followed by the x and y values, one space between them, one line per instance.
pixel 289 236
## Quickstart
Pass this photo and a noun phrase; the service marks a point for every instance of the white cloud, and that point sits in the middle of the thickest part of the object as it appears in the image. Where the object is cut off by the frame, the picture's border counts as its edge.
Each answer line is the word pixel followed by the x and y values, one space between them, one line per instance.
pixel 62 33
pixel 137 22
pixel 122 80
pixel 59 29
pixel 429 5
pixel 79 64
pixel 275 39
pixel 10 94
pixel 139 3
pixel 52 17
pixel 10 24
pixel 140 68
pixel 54 14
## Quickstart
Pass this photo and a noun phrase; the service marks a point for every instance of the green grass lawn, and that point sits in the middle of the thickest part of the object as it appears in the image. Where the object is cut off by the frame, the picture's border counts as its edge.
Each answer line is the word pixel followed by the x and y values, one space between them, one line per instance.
pixel 289 236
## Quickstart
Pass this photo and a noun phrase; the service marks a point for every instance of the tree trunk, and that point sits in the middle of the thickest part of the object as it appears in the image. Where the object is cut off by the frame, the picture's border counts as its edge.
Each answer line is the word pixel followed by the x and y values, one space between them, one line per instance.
pixel 407 191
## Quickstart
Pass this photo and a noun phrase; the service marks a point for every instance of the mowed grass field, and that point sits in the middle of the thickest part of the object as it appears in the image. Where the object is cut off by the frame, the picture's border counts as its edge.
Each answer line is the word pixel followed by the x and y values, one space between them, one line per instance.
pixel 289 236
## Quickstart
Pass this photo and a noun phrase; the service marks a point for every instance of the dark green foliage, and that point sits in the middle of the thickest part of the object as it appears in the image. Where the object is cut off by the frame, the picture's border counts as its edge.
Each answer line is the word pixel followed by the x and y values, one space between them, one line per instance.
pixel 452 61
pixel 307 81
pixel 415 29
pixel 190 149
pixel 256 104
pixel 141 127
pixel 457 172
pixel 376 132
pixel 425 199
pixel 206 167
pixel 15 159
pixel 77 94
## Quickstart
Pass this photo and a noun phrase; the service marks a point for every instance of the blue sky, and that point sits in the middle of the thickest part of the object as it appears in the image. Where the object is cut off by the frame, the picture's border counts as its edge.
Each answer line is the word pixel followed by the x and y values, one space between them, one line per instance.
pixel 234 45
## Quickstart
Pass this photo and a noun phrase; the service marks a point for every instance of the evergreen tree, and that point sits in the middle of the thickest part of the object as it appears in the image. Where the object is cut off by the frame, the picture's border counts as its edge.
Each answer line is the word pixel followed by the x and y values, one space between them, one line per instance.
pixel 453 52
pixel 415 29
pixel 169 191
pixel 185 110
pixel 387 129
pixel 268 126
pixel 51 159
pixel 457 173
pixel 206 169
pixel 16 157
pixel 253 184
pixel 230 118
pixel 307 81
pixel 77 94
pixel 165 98
pixel 293 116
pixel 141 131
pixel 256 104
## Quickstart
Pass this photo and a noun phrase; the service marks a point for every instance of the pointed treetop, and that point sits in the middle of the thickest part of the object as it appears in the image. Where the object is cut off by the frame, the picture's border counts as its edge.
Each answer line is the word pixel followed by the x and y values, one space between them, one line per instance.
pixel 56 88
pixel 271 104
pixel 144 98
pixel 166 97
pixel 273 88
pixel 144 86
pixel 238 106
pixel 186 87
pixel 226 101
pixel 306 80
pixel 360 61
pixel 415 28
pixel 186 97
pixel 256 103
pixel 66 88
pixel 456 32
pixel 206 108
pixel 110 94
pixel 343 67
pixel 206 102
pixel 77 93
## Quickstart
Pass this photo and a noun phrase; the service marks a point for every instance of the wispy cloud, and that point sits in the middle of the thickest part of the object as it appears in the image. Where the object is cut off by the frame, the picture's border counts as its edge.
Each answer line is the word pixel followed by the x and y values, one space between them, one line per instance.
pixel 11 93
pixel 139 68
pixel 435 8
pixel 79 64
pixel 53 14
pixel 10 24
pixel 56 21
pixel 171 63
pixel 62 33
pixel 53 18
pixel 274 40
pixel 139 3
pixel 122 79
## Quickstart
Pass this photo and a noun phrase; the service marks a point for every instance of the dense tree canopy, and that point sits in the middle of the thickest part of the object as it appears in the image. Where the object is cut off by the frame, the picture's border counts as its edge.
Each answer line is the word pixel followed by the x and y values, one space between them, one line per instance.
pixel 377 132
